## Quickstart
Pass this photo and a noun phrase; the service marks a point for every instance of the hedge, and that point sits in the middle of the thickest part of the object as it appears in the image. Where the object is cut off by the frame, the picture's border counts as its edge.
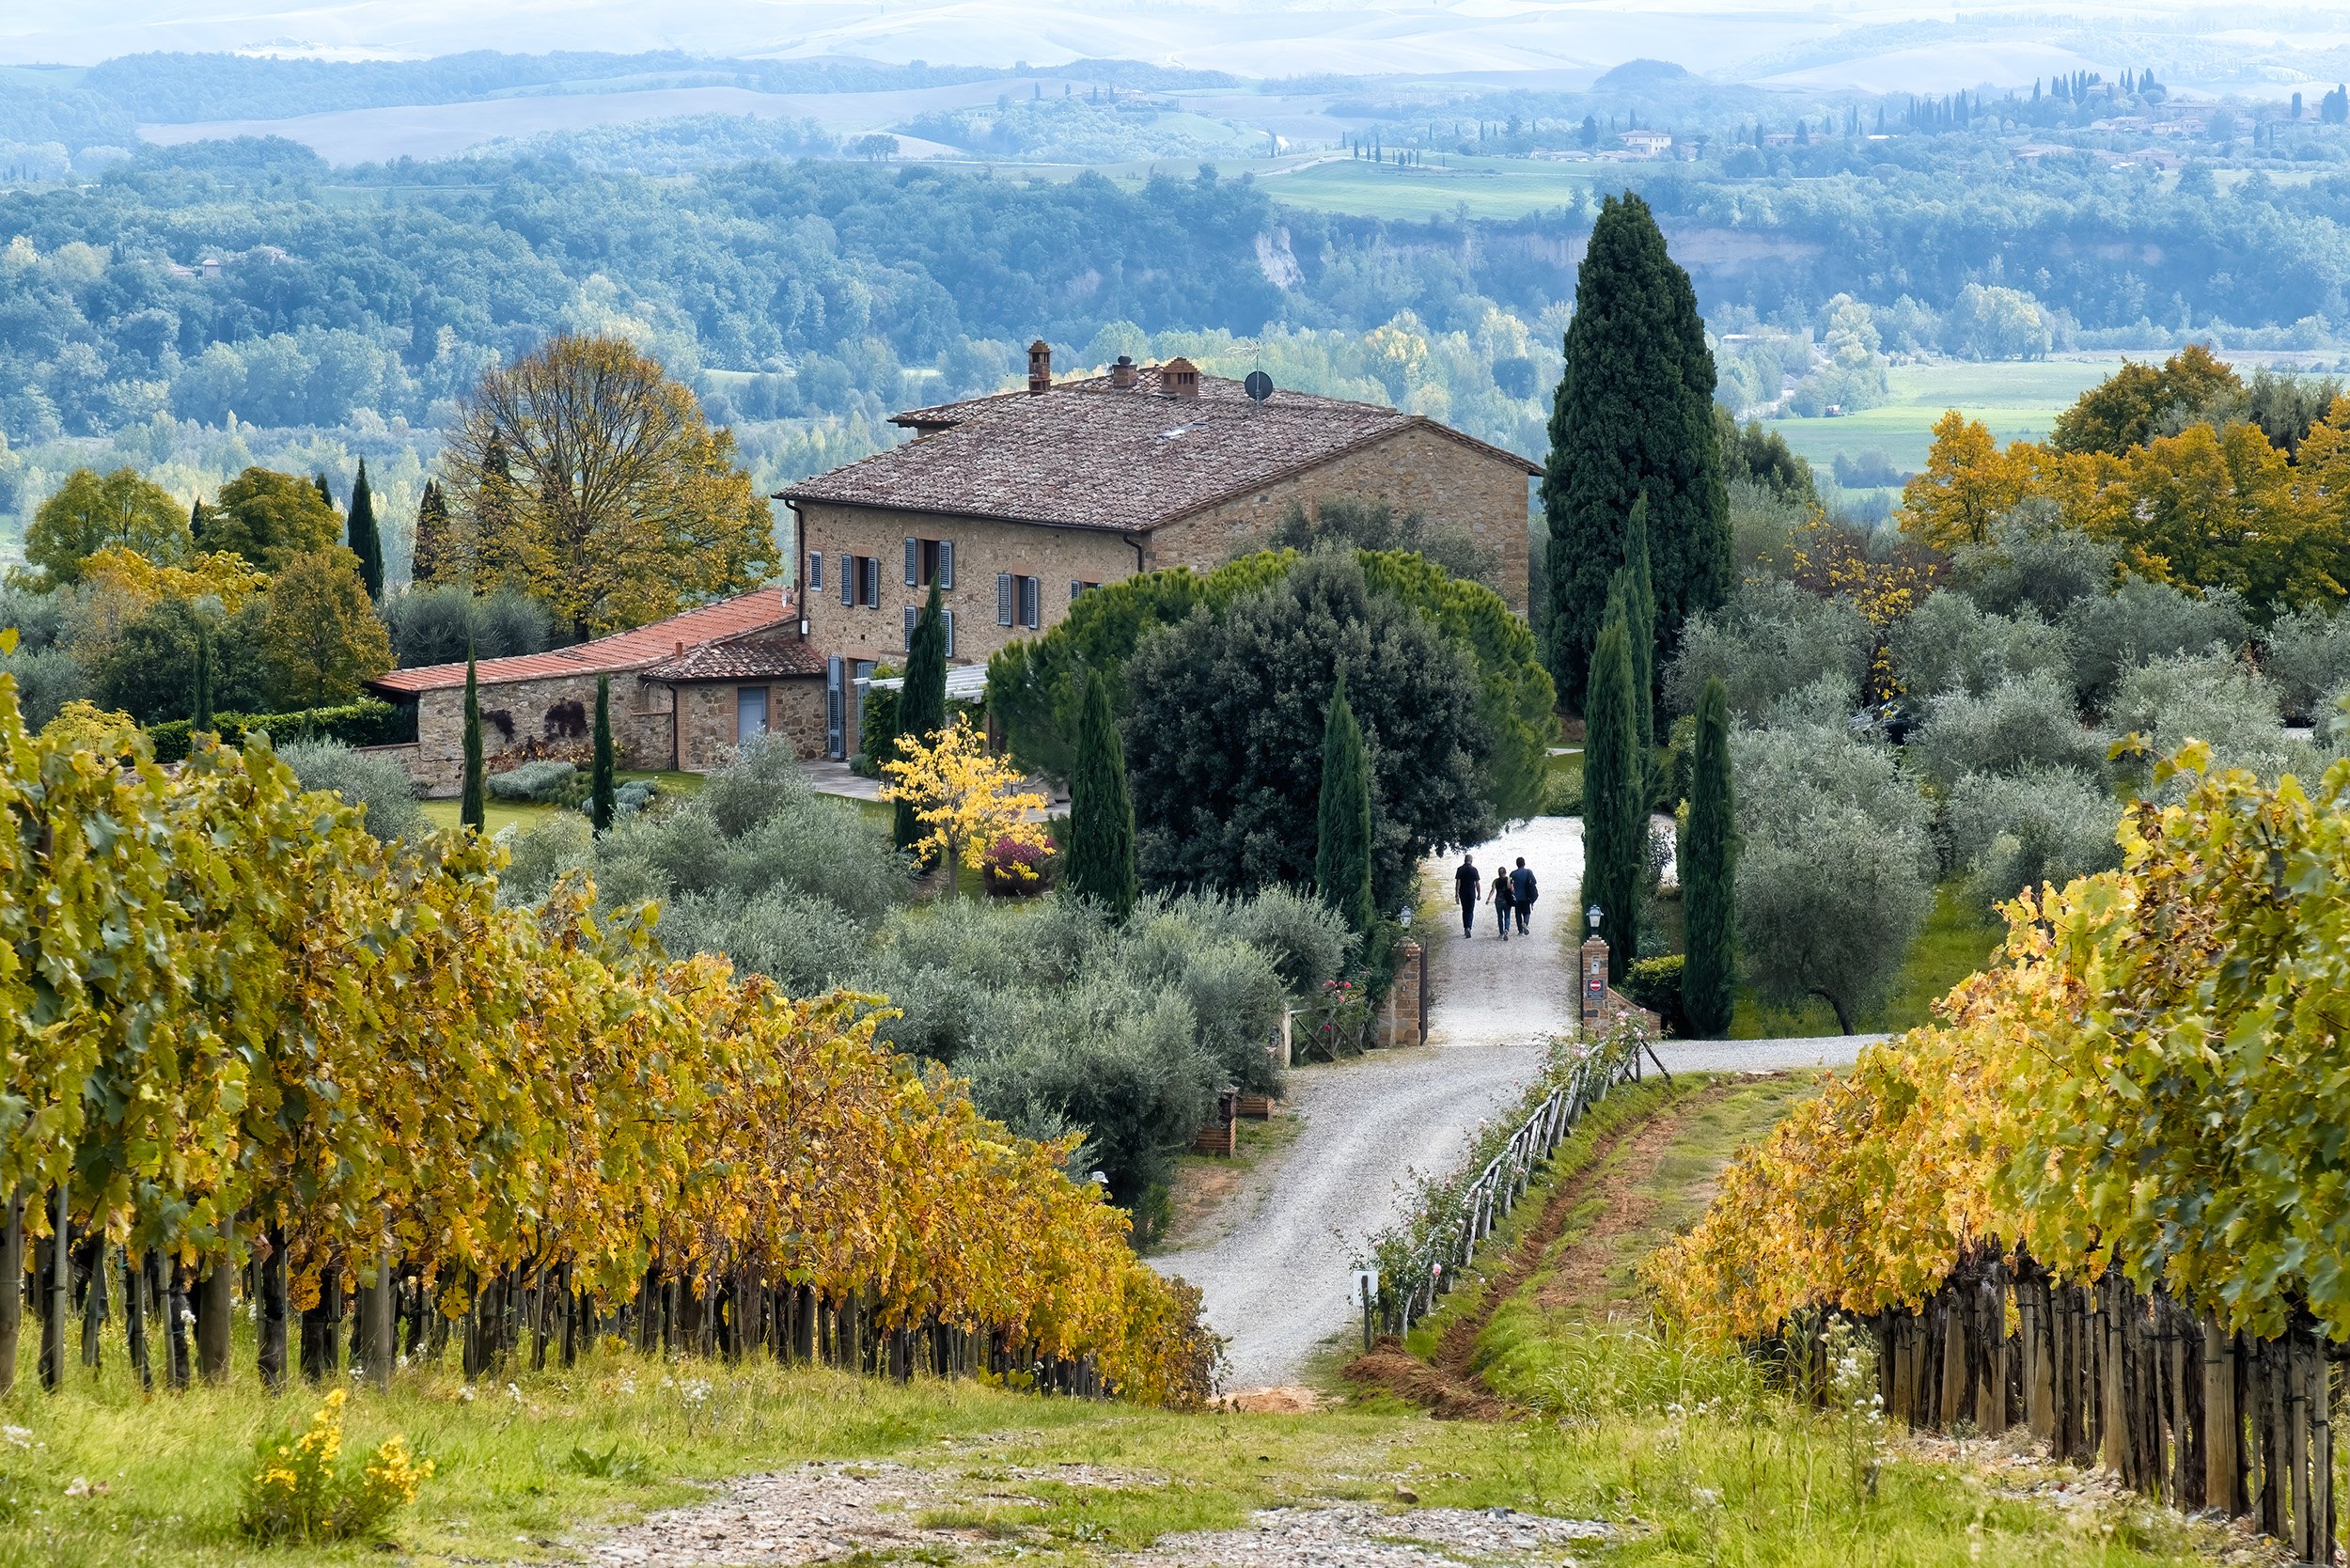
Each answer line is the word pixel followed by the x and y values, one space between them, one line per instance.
pixel 366 722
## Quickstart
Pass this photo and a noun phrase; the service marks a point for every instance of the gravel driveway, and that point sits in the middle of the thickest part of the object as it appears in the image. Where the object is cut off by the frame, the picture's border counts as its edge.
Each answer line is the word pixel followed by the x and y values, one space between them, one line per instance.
pixel 1763 1056
pixel 1276 1271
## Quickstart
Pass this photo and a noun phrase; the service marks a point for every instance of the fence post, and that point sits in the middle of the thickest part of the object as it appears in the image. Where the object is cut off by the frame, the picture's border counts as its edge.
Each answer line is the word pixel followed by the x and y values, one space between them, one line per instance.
pixel 59 1296
pixel 11 1287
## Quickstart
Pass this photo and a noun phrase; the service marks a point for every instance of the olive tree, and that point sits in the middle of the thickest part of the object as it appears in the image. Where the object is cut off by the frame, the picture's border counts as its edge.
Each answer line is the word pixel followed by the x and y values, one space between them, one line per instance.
pixel 1836 874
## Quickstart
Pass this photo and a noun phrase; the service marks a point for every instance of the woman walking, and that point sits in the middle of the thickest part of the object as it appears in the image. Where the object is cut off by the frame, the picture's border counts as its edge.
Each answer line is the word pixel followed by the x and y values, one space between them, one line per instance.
pixel 1503 900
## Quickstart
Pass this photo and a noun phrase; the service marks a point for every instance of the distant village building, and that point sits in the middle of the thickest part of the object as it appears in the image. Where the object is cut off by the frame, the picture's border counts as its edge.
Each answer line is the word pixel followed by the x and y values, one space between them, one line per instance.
pixel 685 692
pixel 1017 504
pixel 1649 144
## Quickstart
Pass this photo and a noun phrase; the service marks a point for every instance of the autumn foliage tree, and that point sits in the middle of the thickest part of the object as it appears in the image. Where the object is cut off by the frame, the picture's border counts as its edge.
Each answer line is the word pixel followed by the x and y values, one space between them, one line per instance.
pixel 589 478
pixel 320 633
pixel 90 513
pixel 1967 485
pixel 966 800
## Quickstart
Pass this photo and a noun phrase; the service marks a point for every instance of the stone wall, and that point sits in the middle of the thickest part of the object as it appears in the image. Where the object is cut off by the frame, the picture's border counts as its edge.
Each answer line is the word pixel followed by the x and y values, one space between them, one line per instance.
pixel 1419 469
pixel 984 548
pixel 706 725
pixel 641 724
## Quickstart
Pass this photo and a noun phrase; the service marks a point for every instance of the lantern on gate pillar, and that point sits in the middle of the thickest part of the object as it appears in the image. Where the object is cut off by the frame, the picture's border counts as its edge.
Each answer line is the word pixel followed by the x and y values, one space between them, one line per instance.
pixel 1594 987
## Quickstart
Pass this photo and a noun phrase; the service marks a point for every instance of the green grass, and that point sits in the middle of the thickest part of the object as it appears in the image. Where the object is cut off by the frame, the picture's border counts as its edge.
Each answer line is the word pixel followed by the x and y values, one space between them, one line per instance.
pixel 2016 399
pixel 1954 943
pixel 524 815
pixel 1625 1105
pixel 510 1487
pixel 1484 187
pixel 1523 1349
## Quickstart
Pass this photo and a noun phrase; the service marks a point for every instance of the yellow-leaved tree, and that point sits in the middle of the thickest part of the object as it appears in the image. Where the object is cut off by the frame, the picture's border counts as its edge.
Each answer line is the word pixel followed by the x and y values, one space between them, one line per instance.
pixel 1967 484
pixel 221 574
pixel 967 800
pixel 588 477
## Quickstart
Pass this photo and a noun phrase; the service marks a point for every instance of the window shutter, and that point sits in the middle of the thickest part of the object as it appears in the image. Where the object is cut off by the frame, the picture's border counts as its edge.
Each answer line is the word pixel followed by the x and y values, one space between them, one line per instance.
pixel 816 571
pixel 1030 592
pixel 872 582
pixel 949 618
pixel 913 560
pixel 946 563
pixel 1075 587
pixel 913 616
pixel 1003 599
pixel 848 579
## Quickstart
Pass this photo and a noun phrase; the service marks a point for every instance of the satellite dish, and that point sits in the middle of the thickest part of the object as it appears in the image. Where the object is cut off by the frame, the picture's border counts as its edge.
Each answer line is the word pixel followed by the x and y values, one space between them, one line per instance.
pixel 1259 386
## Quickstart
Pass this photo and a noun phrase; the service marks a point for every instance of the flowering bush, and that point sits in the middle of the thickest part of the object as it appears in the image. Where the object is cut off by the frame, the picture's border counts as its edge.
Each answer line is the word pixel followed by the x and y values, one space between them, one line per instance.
pixel 296 1493
pixel 1015 866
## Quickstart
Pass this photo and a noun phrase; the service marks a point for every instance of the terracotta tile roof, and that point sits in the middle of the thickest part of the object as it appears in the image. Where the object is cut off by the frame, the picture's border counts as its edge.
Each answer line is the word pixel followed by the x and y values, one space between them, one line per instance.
pixel 1086 455
pixel 622 651
pixel 753 656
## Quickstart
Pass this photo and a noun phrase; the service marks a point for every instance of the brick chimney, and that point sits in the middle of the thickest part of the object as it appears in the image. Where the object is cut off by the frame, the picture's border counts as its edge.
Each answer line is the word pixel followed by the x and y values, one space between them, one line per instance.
pixel 1181 378
pixel 1124 373
pixel 1040 365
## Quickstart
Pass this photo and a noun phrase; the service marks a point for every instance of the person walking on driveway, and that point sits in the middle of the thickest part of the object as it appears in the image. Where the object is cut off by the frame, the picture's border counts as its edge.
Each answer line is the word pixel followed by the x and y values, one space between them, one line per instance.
pixel 1467 883
pixel 1522 892
pixel 1501 901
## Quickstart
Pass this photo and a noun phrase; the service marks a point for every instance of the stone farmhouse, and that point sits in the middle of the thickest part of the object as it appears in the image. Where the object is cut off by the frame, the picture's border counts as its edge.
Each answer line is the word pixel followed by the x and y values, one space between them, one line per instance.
pixel 684 692
pixel 1016 504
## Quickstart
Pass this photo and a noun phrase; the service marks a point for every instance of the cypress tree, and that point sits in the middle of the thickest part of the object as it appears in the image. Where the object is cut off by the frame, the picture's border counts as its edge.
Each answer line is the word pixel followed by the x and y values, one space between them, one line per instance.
pixel 1342 824
pixel 1640 620
pixel 200 699
pixel 1615 814
pixel 431 555
pixel 1101 812
pixel 599 776
pixel 325 492
pixel 1709 871
pixel 360 530
pixel 922 700
pixel 200 522
pixel 472 809
pixel 1633 415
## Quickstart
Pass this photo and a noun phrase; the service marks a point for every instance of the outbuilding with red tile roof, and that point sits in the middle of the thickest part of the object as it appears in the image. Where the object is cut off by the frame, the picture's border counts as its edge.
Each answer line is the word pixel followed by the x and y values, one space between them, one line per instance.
pixel 685 692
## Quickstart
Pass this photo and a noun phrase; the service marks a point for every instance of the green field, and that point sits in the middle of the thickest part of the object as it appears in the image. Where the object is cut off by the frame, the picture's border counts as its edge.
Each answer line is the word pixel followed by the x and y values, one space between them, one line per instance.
pixel 2018 399
pixel 1482 187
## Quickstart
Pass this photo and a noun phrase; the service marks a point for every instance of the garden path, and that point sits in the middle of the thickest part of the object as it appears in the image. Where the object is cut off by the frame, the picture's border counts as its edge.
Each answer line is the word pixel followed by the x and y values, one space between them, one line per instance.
pixel 1277 1272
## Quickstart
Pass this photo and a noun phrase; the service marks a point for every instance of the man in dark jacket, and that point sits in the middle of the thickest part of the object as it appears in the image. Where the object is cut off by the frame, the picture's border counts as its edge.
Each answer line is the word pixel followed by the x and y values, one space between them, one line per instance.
pixel 1469 888
pixel 1521 892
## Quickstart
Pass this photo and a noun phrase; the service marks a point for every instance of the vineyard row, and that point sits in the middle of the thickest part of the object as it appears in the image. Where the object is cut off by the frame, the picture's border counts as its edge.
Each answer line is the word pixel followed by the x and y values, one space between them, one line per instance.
pixel 245 1048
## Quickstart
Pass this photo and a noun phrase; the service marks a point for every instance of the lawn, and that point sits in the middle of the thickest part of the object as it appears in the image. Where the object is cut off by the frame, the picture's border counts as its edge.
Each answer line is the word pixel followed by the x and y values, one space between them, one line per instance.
pixel 524 815
pixel 2018 399
pixel 1484 187
pixel 1954 944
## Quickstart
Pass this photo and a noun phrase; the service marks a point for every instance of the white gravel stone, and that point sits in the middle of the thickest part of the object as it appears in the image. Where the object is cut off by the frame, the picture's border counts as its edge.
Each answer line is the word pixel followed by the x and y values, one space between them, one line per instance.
pixel 1357 1535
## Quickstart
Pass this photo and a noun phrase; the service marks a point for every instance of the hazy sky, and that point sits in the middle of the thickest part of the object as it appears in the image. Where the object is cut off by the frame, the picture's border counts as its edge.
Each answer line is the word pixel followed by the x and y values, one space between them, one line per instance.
pixel 1846 43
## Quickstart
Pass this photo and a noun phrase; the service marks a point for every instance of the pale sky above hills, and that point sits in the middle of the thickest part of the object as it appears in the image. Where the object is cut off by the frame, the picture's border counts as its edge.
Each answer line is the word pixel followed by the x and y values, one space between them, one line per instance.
pixel 1877 44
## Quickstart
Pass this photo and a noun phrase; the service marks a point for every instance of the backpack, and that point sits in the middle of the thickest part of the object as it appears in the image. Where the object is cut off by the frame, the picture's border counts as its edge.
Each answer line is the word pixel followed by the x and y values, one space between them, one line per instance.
pixel 1526 889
